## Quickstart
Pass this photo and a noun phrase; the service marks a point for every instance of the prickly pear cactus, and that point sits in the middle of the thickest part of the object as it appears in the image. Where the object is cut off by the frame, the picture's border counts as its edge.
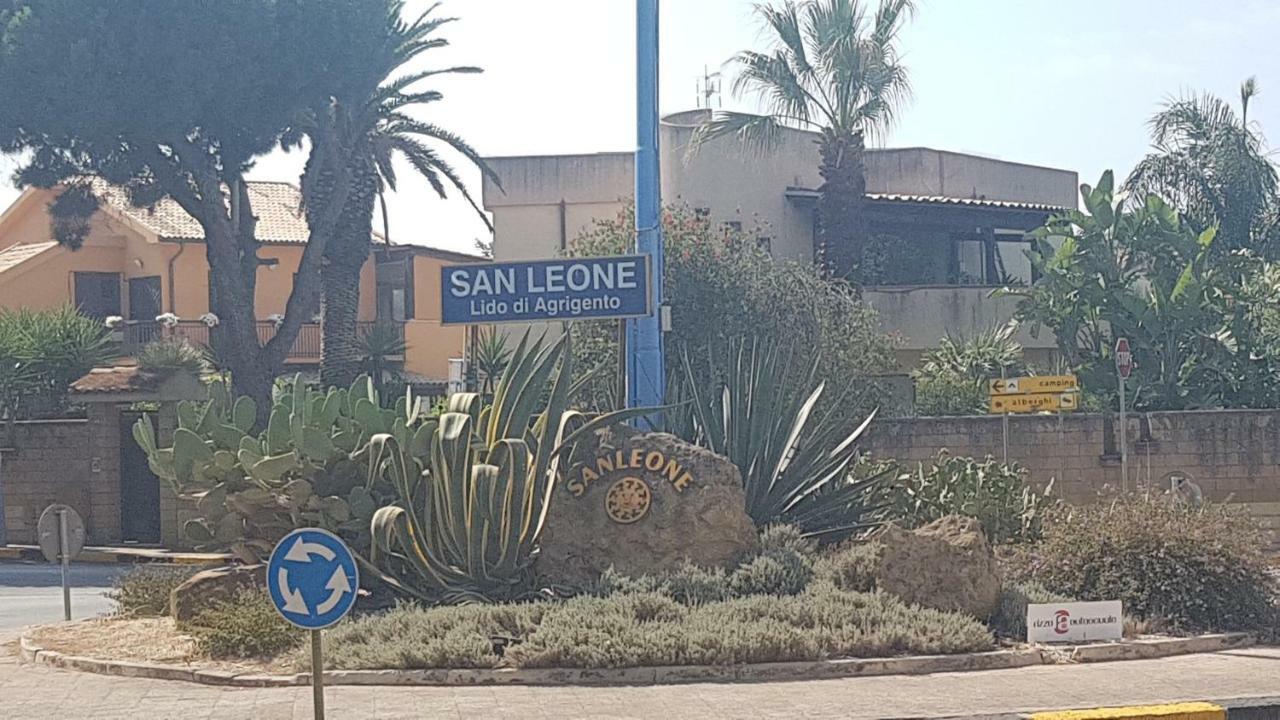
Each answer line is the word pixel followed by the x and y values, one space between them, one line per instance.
pixel 308 467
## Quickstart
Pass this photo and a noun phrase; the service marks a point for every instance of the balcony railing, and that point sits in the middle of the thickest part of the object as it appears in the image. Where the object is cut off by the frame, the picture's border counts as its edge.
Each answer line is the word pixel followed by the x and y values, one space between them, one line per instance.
pixel 306 346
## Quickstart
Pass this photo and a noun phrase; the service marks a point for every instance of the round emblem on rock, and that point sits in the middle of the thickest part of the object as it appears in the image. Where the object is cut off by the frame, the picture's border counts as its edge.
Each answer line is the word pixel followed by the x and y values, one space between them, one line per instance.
pixel 627 500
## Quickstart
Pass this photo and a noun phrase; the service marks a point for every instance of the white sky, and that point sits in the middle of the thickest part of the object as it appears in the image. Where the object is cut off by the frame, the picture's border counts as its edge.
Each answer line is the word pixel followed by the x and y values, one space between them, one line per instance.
pixel 1062 83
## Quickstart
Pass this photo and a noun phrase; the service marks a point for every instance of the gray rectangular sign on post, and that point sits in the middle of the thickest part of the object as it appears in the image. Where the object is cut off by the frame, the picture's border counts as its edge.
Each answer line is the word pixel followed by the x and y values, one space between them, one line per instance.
pixel 561 289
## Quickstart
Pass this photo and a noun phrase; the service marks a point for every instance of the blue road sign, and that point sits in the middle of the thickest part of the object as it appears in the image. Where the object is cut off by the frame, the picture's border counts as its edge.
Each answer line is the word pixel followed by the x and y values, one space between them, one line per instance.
pixel 312 578
pixel 564 289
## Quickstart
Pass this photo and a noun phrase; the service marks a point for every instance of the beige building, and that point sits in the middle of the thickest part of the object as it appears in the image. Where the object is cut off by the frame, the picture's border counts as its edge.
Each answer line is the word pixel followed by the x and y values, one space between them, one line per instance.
pixel 957 220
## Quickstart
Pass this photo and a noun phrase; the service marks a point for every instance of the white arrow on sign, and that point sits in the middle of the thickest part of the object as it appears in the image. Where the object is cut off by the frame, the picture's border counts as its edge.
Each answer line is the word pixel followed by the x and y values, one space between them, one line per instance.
pixel 302 551
pixel 293 601
pixel 338 586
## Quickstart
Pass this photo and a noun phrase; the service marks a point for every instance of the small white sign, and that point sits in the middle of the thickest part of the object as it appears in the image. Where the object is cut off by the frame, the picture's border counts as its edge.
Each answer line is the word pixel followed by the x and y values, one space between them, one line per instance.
pixel 1075 622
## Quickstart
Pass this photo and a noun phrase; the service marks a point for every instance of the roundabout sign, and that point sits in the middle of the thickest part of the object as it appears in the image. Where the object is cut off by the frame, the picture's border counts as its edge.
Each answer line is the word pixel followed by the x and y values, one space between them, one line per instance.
pixel 312 577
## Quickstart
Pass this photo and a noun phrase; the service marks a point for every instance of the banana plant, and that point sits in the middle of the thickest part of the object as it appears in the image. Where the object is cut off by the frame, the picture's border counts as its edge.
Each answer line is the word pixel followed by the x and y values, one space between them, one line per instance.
pixel 794 456
pixel 473 488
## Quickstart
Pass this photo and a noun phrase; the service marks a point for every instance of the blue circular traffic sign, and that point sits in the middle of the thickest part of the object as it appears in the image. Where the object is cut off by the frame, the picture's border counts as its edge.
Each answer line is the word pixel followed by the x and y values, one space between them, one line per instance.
pixel 312 578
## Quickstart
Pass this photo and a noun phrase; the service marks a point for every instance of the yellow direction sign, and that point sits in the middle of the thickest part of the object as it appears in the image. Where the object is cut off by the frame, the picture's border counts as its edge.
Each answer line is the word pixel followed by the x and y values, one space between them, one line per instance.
pixel 1033 384
pixel 1034 402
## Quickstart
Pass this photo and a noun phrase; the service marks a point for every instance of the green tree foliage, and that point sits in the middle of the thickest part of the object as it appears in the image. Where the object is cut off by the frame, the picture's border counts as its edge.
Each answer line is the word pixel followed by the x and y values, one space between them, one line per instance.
pixel 41 353
pixel 1137 270
pixel 723 287
pixel 1213 166
pixel 952 379
pixel 833 67
pixel 377 123
pixel 176 100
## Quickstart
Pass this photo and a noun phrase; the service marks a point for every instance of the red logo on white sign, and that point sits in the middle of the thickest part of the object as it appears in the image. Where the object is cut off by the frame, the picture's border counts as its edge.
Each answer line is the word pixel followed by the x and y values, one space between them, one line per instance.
pixel 1061 622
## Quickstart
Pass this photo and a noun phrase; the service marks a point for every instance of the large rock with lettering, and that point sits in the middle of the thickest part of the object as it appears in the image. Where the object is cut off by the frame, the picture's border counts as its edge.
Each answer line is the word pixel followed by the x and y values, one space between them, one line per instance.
pixel 644 503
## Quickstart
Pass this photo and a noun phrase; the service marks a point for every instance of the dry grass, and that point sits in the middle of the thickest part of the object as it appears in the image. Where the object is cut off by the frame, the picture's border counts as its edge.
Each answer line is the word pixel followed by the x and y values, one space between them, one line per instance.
pixel 153 640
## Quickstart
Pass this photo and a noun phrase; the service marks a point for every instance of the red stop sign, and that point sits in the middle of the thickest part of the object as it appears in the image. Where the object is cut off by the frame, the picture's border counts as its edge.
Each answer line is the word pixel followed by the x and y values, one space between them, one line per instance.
pixel 1124 358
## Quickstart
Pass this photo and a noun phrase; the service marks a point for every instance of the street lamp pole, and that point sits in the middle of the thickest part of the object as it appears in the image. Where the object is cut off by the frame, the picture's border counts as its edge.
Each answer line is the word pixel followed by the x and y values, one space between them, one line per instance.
pixel 646 376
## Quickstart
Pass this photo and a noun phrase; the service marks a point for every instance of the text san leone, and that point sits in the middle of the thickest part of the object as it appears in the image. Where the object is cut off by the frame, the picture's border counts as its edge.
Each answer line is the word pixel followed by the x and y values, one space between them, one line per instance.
pixel 653 461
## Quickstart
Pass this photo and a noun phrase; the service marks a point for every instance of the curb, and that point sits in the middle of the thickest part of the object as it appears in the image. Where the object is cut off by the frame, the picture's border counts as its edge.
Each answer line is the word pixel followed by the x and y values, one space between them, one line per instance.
pixel 30 652
pixel 108 555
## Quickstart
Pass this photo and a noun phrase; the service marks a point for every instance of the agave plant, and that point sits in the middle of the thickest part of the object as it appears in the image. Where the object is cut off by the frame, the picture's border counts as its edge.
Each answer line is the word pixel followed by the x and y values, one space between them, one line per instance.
pixel 473 487
pixel 795 458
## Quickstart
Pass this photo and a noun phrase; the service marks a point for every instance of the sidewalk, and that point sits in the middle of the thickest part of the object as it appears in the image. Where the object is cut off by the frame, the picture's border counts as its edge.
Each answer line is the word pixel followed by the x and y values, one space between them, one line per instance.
pixel 118 554
pixel 1221 677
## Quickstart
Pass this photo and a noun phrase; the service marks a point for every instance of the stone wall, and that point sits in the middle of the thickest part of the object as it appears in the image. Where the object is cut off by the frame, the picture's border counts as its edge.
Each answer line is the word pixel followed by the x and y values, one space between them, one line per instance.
pixel 53 461
pixel 1233 455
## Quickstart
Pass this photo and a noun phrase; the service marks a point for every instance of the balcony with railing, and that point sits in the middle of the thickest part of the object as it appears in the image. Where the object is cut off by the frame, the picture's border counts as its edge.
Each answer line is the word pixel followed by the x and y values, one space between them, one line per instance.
pixel 306 346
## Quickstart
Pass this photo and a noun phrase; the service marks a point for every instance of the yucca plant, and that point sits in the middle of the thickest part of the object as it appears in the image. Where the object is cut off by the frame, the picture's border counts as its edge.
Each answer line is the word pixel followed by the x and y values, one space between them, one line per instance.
pixel 795 458
pixel 473 491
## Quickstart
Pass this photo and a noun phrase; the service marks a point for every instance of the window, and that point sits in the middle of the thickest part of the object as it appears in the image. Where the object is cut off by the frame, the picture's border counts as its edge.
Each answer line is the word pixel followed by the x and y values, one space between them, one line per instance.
pixel 998 258
pixel 395 290
pixel 733 226
pixel 702 212
pixel 765 243
pixel 1013 267
pixel 97 294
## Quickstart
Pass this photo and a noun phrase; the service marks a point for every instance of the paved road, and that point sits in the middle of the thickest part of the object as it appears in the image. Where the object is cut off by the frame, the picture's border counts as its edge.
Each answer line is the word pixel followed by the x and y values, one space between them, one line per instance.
pixel 31 594
pixel 39 692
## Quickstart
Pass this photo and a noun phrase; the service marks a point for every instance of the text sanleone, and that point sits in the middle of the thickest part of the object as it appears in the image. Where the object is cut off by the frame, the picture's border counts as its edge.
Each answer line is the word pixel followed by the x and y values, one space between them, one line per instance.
pixel 480 283
pixel 638 459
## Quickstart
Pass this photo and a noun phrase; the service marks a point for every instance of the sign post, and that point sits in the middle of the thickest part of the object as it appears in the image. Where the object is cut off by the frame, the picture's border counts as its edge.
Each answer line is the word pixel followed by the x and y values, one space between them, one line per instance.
pixel 1124 367
pixel 312 580
pixel 646 376
pixel 61 534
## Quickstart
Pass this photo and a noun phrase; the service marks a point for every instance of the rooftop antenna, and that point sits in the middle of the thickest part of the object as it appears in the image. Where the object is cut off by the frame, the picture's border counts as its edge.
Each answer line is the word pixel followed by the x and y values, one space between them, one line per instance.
pixel 708 88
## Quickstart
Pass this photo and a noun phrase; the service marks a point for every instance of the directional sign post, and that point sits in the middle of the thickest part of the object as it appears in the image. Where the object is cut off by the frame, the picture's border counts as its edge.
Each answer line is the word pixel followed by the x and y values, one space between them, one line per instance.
pixel 1124 368
pixel 312 578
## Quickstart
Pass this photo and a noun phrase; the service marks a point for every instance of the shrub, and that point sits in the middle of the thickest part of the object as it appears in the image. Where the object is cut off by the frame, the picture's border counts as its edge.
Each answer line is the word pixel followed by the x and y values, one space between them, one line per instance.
pixel 246 627
pixel 143 590
pixel 1010 619
pixel 173 355
pixel 41 353
pixel 1199 569
pixel 783 567
pixel 649 628
pixel 993 493
pixel 852 567
pixel 411 636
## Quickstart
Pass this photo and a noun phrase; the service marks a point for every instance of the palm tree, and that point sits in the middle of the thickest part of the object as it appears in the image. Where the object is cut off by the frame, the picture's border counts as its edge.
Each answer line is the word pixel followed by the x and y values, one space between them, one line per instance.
pixel 1212 165
pixel 835 70
pixel 374 132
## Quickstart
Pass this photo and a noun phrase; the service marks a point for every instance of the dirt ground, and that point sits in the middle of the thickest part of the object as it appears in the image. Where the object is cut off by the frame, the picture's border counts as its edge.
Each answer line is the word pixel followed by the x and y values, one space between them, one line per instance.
pixel 154 640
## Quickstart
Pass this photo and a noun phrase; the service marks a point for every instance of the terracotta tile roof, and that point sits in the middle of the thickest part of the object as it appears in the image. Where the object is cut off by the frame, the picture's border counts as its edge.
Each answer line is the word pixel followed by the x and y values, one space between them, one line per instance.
pixel 15 254
pixel 812 194
pixel 278 206
pixel 115 379
pixel 972 202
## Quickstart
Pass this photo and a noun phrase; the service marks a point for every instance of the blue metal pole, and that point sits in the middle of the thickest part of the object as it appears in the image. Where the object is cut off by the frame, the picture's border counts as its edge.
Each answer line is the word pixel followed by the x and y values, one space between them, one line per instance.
pixel 646 377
